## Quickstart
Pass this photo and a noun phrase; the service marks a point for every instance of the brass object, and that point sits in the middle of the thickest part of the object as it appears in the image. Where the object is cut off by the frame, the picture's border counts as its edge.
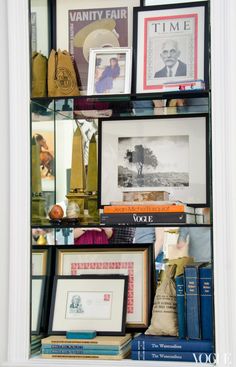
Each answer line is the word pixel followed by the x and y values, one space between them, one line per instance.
pixel 38 202
pixel 77 179
pixel 92 182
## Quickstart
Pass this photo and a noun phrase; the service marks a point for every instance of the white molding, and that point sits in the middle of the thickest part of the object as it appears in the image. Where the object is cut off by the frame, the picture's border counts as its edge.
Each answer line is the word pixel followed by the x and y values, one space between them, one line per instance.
pixel 224 179
pixel 19 274
pixel 224 173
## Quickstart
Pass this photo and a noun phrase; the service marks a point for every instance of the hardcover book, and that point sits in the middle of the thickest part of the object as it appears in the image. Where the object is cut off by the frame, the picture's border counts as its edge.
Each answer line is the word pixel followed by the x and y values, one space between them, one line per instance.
pixel 180 299
pixel 206 301
pixel 140 196
pixel 99 340
pixel 147 218
pixel 162 208
pixel 173 356
pixel 193 316
pixel 170 343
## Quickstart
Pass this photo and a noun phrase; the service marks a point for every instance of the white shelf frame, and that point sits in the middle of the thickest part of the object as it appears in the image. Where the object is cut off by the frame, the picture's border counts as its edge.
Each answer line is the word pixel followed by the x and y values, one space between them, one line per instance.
pixel 223 27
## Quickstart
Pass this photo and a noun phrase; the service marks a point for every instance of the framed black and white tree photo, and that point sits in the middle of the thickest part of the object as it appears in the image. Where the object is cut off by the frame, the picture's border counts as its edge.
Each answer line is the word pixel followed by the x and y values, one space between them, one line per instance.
pixel 154 154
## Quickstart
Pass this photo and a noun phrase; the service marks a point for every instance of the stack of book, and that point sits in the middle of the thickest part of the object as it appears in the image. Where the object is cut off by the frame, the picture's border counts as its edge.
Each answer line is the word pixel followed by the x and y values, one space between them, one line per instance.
pixel 149 212
pixel 195 302
pixel 101 347
pixel 162 348
pixel 35 343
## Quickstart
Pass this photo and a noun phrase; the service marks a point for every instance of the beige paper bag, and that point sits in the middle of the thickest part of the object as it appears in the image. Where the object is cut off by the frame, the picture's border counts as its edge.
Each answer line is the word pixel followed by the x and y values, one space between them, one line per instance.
pixel 164 312
pixel 62 79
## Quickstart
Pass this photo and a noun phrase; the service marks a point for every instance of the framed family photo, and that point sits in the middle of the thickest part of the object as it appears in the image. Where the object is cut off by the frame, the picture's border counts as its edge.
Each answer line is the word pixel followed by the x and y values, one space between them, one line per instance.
pixel 109 71
pixel 89 302
pixel 171 47
pixel 93 24
pixel 135 262
pixel 154 154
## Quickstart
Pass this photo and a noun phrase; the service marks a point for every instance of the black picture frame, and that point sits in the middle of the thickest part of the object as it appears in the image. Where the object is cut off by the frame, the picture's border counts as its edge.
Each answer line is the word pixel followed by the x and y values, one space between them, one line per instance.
pixel 37 302
pixel 143 265
pixel 186 190
pixel 192 74
pixel 106 282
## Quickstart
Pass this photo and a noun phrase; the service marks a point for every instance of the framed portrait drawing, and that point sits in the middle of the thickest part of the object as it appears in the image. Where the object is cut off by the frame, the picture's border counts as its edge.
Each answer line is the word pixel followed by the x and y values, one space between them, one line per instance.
pixel 171 48
pixel 37 291
pixel 93 24
pixel 89 302
pixel 109 71
pixel 154 154
pixel 136 262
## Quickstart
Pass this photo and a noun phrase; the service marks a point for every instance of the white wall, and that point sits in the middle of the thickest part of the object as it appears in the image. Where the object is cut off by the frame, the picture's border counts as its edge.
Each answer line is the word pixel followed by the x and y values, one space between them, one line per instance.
pixel 4 181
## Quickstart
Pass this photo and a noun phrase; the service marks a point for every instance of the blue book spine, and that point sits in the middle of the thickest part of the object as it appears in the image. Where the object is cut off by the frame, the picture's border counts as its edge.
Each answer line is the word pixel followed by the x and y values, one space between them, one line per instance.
pixel 170 344
pixel 205 285
pixel 79 351
pixel 173 356
pixel 180 300
pixel 192 302
pixel 82 347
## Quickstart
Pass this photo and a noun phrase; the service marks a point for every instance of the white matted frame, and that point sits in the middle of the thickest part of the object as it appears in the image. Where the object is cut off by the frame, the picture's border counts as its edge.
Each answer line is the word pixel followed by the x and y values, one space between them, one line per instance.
pixel 135 261
pixel 175 152
pixel 171 47
pixel 89 302
pixel 109 71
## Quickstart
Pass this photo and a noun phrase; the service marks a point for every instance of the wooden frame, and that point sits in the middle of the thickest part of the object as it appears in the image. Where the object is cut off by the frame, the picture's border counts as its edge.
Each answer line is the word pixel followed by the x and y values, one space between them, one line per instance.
pixel 136 261
pixel 89 302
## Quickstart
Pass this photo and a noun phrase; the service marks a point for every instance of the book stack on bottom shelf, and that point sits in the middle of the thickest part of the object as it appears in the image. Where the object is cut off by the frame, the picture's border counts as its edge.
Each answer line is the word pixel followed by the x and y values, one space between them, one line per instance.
pixel 35 343
pixel 100 347
pixel 164 348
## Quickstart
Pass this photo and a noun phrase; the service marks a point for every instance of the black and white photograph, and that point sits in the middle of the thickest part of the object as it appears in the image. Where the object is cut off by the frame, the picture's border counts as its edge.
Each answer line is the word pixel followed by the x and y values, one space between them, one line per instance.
pixel 170 48
pixel 154 154
pixel 153 161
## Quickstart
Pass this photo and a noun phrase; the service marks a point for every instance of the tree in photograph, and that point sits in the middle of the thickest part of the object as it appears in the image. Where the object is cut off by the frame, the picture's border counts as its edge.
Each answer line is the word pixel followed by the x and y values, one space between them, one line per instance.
pixel 141 157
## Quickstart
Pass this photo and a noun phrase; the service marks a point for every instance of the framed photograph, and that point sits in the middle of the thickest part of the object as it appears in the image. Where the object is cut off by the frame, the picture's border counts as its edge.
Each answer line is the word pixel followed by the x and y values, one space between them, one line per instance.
pixel 93 24
pixel 40 260
pixel 89 302
pixel 37 297
pixel 154 154
pixel 171 48
pixel 109 71
pixel 135 261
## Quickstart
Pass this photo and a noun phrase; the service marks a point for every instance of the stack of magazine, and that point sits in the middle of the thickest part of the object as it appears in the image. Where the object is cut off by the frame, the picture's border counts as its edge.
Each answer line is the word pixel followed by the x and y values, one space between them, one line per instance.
pixel 101 347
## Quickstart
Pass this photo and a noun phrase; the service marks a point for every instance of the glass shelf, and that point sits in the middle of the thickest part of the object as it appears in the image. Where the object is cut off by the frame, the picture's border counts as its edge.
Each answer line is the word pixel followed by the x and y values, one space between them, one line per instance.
pixel 126 106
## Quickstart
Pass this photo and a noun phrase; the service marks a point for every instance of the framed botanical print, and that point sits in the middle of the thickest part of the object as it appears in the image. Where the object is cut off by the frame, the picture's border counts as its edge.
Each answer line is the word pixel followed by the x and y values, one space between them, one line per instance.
pixel 136 261
pixel 161 153
pixel 171 48
pixel 93 24
pixel 89 302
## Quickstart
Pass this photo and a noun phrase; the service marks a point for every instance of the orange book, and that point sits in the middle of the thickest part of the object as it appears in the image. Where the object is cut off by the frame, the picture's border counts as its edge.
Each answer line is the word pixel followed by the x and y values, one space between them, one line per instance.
pixel 111 209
